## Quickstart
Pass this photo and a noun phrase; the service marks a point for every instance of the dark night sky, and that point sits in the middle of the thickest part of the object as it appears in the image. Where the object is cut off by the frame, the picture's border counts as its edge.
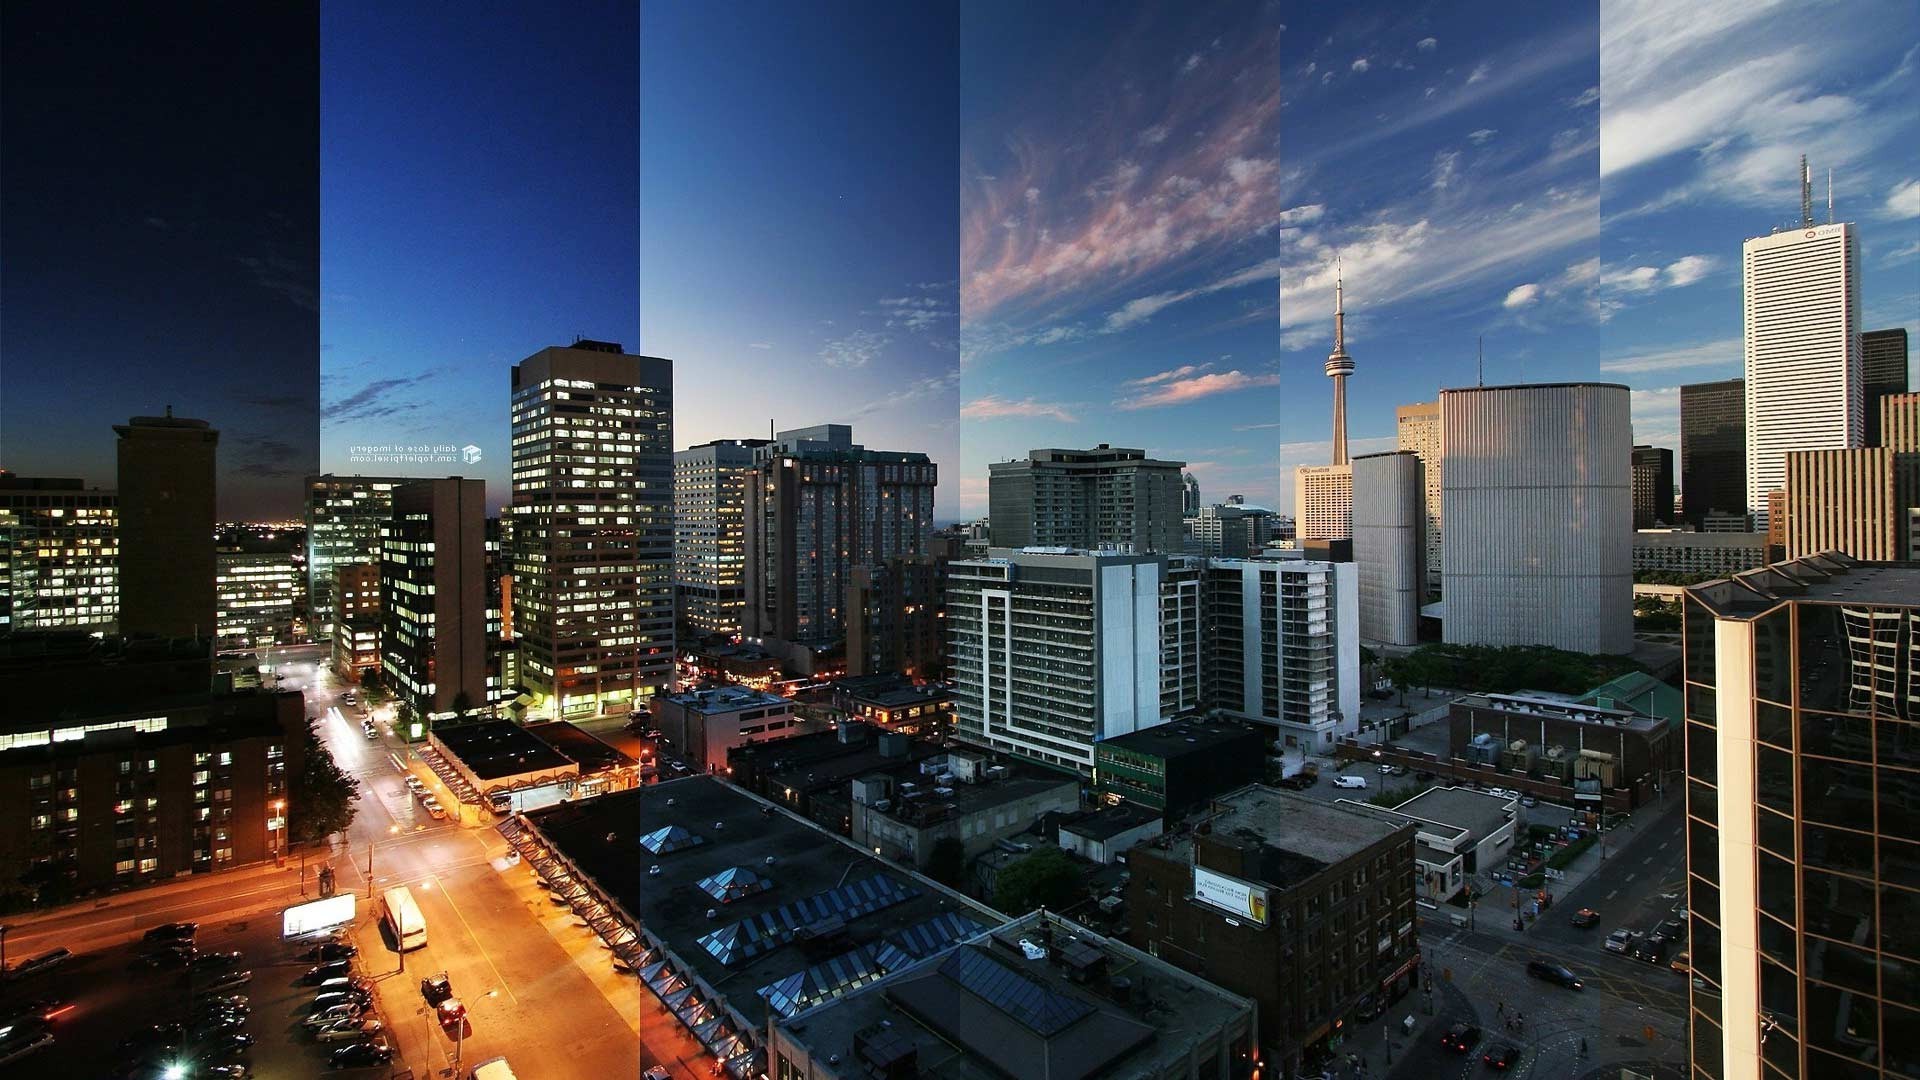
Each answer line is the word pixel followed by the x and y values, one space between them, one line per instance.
pixel 159 205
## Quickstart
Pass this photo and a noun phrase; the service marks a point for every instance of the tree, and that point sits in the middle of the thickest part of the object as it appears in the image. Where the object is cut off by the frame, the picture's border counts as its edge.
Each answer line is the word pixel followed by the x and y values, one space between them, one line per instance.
pixel 1047 878
pixel 947 862
pixel 323 795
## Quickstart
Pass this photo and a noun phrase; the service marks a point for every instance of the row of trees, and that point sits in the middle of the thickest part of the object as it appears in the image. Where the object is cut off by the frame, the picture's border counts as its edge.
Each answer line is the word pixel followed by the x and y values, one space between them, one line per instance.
pixel 1501 669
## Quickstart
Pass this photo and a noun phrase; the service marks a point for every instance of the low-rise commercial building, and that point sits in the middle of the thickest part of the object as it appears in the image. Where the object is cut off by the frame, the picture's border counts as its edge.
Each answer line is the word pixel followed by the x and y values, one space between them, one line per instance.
pixel 356 620
pixel 1458 833
pixel 500 755
pixel 1720 554
pixel 1039 998
pixel 1171 768
pixel 904 812
pixel 704 725
pixel 1305 907
pixel 895 703
pixel 1592 747
pixel 813 774
pixel 1103 836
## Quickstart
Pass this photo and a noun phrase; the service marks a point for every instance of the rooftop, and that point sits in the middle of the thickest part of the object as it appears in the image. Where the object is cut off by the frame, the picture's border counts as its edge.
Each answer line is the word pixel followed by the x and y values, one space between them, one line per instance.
pixel 583 747
pixel 724 699
pixel 820 917
pixel 1830 577
pixel 1478 812
pixel 1179 738
pixel 888 691
pixel 1640 692
pixel 1297 836
pixel 989 1009
pixel 1110 822
pixel 812 761
pixel 933 801
pixel 1566 707
pixel 495 748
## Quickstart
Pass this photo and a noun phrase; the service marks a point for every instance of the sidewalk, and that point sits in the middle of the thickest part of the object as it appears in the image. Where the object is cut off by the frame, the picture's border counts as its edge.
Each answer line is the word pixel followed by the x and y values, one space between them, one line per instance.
pixel 235 880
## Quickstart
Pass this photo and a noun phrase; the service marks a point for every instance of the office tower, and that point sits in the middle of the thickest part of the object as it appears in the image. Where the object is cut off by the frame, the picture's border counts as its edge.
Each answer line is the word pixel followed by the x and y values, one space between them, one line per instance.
pixel 1899 416
pixel 433 602
pixel 894 614
pixel 1804 880
pixel 1339 368
pixel 1539 516
pixel 503 654
pixel 1652 486
pixel 166 526
pixel 59 553
pixel 592 528
pixel 1220 532
pixel 818 505
pixel 1802 328
pixel 1323 502
pixel 1883 366
pixel 1052 652
pixel 1419 429
pixel 343 515
pixel 1190 505
pixel 1281 642
pixel 1387 545
pixel 1713 450
pixel 710 535
pixel 1856 501
pixel 355 645
pixel 1106 497
pixel 259 595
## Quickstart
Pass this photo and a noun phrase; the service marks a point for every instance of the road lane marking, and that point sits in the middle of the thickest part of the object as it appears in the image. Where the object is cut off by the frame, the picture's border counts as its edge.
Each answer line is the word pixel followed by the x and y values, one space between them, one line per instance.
pixel 476 937
pixel 1613 894
pixel 1663 845
pixel 1633 875
pixel 1648 861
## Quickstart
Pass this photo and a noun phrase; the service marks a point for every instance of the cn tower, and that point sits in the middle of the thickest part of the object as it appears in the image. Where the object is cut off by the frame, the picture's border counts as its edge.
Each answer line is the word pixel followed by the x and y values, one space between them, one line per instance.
pixel 1339 366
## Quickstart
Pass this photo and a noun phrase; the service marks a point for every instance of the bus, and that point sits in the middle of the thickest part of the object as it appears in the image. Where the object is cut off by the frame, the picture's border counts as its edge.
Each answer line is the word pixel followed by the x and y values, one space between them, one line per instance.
pixel 403 916
pixel 492 1069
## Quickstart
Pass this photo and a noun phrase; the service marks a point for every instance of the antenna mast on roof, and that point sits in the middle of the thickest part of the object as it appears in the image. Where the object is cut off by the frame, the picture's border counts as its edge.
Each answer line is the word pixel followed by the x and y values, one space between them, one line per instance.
pixel 1480 367
pixel 1806 192
pixel 1829 196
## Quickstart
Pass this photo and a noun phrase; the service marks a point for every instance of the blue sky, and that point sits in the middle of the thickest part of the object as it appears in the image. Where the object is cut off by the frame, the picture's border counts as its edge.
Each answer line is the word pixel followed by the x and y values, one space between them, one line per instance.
pixel 799 220
pixel 1119 220
pixel 474 210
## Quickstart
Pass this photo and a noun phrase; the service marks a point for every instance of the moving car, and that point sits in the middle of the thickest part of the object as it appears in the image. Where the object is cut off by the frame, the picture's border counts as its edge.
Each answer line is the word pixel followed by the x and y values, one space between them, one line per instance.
pixel 31 1012
pixel 1461 1038
pixel 1553 973
pixel 1586 918
pixel 1501 1057
pixel 1350 781
pixel 376 1051
pixel 173 931
pixel 1621 941
pixel 1682 962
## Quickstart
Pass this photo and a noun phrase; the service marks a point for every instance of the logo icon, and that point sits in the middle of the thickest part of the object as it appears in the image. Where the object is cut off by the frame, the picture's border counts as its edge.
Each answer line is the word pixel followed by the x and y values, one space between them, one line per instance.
pixel 470 453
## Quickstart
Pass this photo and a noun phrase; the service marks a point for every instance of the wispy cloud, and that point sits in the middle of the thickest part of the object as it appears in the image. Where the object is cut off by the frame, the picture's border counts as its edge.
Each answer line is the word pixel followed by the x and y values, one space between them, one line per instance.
pixel 920 390
pixel 854 350
pixel 1904 200
pixel 377 399
pixel 759 345
pixel 1175 388
pixel 1522 295
pixel 998 408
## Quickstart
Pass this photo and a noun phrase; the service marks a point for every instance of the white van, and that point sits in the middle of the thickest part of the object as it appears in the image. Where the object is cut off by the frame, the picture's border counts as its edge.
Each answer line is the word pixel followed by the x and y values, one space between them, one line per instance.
pixel 1350 781
pixel 492 1069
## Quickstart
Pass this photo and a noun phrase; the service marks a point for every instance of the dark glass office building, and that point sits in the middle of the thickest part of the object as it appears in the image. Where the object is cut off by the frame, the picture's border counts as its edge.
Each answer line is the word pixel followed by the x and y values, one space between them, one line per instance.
pixel 1713 449
pixel 1652 486
pixel 1803 821
pixel 1883 360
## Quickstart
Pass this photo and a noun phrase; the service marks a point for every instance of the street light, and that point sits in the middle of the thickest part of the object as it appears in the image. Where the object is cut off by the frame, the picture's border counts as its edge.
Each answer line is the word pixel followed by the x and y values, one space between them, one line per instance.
pixel 276 827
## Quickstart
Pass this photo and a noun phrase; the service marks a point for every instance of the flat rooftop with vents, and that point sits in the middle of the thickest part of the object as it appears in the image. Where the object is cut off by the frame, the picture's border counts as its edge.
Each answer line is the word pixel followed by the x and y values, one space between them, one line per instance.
pixel 1037 999
pixel 1297 836
pixel 496 753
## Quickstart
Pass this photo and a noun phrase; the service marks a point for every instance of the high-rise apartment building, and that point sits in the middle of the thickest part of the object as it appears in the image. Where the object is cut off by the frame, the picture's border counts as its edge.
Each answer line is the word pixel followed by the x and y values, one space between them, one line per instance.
pixel 895 611
pixel 1106 497
pixel 818 505
pixel 166 526
pixel 592 528
pixel 1803 774
pixel 344 515
pixel 1804 387
pixel 1219 532
pixel 1652 487
pixel 433 602
pixel 1713 450
pixel 1883 364
pixel 1539 516
pixel 1856 501
pixel 1419 430
pixel 1052 651
pixel 59 556
pixel 710 535
pixel 1387 545
pixel 1323 502
pixel 1281 646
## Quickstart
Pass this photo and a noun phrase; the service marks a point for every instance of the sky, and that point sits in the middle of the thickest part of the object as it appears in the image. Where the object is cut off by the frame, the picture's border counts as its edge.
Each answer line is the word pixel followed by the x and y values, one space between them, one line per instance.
pixel 1442 157
pixel 799 220
pixel 158 212
pixel 1119 222
pixel 475 209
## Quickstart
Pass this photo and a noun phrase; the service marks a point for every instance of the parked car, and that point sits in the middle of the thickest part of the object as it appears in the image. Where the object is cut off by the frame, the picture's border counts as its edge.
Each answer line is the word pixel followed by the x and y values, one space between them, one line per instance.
pixel 436 811
pixel 415 784
pixel 1682 962
pixel 319 973
pixel 176 955
pixel 1528 800
pixel 34 965
pixel 227 980
pixel 1553 973
pixel 23 1042
pixel 220 1001
pixel 1586 919
pixel 332 1014
pixel 341 997
pixel 436 988
pixel 216 961
pixel 1649 950
pixel 656 1072
pixel 1350 781
pixel 1671 932
pixel 173 931
pixel 352 1028
pixel 332 950
pixel 1621 941
pixel 1501 1057
pixel 359 1055
pixel 1461 1038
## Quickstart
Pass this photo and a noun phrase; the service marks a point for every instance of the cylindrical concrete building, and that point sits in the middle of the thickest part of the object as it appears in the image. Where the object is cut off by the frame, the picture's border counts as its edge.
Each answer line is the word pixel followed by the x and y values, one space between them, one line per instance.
pixel 1537 483
pixel 1388 548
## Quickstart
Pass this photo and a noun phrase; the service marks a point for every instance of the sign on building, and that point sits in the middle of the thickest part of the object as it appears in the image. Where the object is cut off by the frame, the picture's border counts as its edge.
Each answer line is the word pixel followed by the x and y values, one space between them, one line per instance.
pixel 1242 899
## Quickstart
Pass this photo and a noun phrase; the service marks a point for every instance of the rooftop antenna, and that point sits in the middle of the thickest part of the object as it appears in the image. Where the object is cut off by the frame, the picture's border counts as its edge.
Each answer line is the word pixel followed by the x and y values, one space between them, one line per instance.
pixel 1480 368
pixel 1829 196
pixel 1806 192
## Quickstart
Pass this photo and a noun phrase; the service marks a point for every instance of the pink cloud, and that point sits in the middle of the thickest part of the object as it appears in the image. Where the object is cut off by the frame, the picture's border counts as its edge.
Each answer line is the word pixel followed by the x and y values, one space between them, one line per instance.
pixel 997 408
pixel 1170 388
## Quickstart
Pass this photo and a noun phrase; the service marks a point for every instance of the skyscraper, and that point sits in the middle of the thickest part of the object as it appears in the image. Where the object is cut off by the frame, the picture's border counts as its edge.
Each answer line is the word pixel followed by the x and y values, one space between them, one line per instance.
pixel 166 526
pixel 433 601
pixel 1713 450
pixel 1652 486
pixel 1900 423
pixel 344 515
pixel 1804 387
pixel 1419 428
pixel 1339 368
pixel 818 505
pixel 1190 506
pixel 59 547
pixel 1856 501
pixel 1539 516
pixel 1803 877
pixel 710 535
pixel 1106 497
pixel 1387 546
pixel 1883 364
pixel 592 530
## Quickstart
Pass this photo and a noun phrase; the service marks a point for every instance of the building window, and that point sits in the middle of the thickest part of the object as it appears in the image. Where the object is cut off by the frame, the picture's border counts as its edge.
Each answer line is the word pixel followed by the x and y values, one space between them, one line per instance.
pixel 123 866
pixel 223 855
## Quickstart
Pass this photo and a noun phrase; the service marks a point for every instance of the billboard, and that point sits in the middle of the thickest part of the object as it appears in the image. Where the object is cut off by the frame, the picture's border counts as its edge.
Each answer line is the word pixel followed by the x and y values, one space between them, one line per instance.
pixel 1241 899
pixel 323 914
